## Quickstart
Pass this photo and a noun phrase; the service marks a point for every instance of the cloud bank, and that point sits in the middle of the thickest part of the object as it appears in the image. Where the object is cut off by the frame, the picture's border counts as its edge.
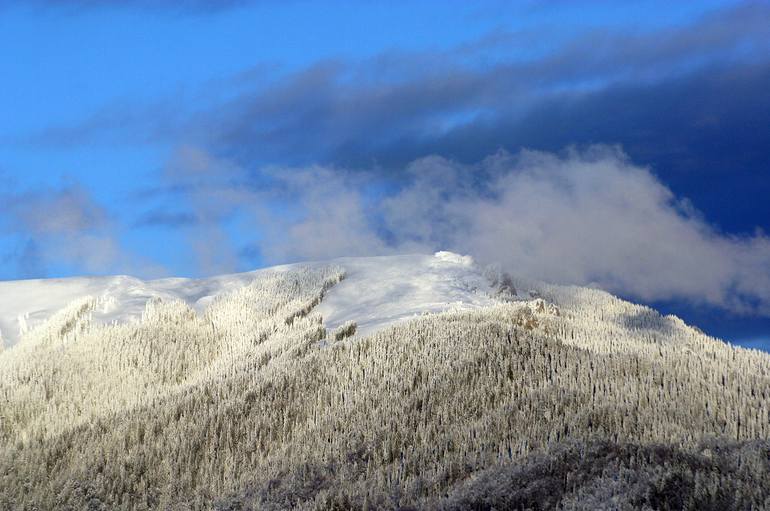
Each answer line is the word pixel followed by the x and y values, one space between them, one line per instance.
pixel 587 217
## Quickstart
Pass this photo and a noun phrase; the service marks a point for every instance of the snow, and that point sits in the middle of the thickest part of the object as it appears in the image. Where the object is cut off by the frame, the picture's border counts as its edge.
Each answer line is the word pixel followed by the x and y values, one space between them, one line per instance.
pixel 377 292
pixel 25 304
pixel 380 291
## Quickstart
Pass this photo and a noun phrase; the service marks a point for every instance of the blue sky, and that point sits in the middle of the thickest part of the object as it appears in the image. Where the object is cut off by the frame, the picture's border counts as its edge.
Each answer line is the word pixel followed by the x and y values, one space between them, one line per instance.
pixel 190 138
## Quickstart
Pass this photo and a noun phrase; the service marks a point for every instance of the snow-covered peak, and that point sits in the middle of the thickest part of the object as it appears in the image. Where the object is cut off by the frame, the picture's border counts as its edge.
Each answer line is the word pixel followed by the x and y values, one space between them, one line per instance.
pixel 377 292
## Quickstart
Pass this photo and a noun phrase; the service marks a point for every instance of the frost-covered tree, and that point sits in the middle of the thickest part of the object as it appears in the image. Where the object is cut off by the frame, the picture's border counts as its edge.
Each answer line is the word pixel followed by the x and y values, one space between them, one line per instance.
pixel 347 329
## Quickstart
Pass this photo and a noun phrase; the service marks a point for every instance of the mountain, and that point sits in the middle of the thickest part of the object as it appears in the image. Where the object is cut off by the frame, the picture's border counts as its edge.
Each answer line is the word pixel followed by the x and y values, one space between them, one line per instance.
pixel 381 383
pixel 377 292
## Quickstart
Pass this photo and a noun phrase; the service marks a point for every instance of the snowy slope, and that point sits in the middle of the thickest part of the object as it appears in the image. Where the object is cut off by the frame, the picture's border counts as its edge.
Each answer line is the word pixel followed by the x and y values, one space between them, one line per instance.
pixel 377 291
pixel 24 304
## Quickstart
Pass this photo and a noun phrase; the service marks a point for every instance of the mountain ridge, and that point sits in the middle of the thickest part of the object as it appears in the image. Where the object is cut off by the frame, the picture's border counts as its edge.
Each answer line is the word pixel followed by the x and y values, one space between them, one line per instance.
pixel 396 288
pixel 437 281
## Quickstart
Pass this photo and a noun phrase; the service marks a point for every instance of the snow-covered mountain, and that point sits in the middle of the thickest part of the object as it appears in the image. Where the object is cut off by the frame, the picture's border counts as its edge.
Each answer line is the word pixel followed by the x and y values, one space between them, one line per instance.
pixel 403 382
pixel 376 292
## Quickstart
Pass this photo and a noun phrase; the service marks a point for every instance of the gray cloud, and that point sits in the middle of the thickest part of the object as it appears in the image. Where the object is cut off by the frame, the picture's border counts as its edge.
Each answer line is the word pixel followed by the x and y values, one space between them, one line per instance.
pixel 356 113
pixel 361 116
pixel 386 111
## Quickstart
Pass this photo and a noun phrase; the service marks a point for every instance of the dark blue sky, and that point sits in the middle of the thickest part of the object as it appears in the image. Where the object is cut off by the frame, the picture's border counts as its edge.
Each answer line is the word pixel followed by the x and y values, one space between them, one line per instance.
pixel 188 138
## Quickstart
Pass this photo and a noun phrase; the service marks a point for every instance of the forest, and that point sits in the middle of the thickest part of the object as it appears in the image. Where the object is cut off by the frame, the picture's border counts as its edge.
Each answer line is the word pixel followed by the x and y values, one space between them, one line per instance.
pixel 572 398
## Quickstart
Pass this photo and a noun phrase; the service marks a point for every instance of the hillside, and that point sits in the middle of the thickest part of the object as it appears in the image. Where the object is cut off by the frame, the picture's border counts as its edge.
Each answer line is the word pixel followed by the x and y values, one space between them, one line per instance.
pixel 326 385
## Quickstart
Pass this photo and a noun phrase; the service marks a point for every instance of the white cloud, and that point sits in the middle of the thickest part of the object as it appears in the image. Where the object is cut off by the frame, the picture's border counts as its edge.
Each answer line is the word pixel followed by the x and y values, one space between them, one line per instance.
pixel 332 218
pixel 585 217
pixel 595 218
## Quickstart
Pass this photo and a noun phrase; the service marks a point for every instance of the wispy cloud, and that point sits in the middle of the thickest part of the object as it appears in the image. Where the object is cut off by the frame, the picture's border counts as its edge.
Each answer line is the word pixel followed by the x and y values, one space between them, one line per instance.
pixel 65 226
pixel 164 218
